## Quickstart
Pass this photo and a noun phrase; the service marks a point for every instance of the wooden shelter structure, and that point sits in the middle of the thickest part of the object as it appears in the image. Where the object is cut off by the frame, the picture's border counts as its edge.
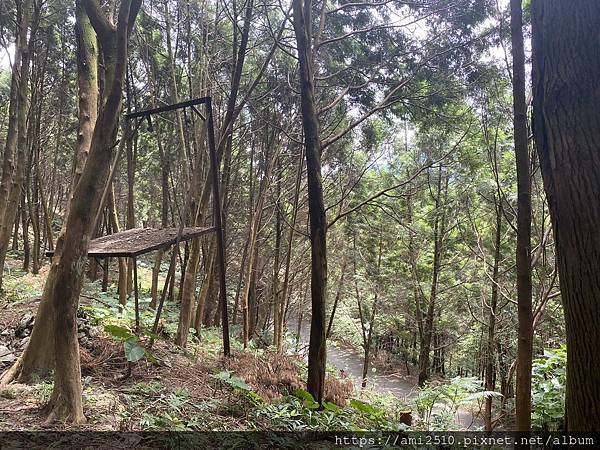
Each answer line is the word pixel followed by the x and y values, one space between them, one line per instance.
pixel 135 242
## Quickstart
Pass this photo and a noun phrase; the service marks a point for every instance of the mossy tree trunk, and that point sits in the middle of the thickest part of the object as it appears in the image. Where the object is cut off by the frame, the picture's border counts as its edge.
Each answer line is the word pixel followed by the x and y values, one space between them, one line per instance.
pixel 63 285
pixel 12 169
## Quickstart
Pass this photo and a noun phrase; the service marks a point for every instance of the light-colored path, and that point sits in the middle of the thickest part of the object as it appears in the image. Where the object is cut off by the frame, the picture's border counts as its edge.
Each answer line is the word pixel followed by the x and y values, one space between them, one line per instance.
pixel 351 362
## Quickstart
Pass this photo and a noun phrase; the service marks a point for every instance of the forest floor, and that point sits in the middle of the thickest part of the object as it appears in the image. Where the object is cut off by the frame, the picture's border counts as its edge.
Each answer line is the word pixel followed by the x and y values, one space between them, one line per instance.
pixel 187 389
pixel 174 388
pixel 179 390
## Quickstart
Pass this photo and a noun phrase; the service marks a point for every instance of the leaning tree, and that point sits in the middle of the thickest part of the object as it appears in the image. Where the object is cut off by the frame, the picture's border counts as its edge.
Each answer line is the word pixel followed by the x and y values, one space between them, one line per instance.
pixel 56 319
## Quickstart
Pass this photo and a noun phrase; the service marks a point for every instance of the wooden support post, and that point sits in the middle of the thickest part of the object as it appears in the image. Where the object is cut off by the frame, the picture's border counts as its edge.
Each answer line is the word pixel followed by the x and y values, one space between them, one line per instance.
pixel 163 295
pixel 218 221
pixel 136 296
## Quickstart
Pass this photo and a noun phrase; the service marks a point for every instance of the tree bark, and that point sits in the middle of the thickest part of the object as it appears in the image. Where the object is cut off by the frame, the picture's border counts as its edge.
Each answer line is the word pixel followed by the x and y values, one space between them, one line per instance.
pixel 439 230
pixel 115 227
pixel 566 125
pixel 12 133
pixel 524 308
pixel 63 285
pixel 87 81
pixel 288 256
pixel 12 171
pixel 316 209
pixel 491 339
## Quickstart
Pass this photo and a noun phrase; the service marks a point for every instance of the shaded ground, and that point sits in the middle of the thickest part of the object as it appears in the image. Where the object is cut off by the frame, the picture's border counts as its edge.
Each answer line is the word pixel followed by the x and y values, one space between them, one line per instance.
pixel 176 392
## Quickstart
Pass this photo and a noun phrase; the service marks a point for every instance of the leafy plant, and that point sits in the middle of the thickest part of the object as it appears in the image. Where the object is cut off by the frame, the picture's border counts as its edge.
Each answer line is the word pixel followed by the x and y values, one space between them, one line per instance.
pixel 237 384
pixel 300 412
pixel 548 385
pixel 438 405
pixel 131 345
pixel 375 417
pixel 43 390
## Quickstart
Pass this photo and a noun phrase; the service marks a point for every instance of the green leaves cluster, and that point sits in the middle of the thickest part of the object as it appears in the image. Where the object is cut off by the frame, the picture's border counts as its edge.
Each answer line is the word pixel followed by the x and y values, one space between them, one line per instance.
pixel 437 405
pixel 131 345
pixel 548 385
pixel 238 385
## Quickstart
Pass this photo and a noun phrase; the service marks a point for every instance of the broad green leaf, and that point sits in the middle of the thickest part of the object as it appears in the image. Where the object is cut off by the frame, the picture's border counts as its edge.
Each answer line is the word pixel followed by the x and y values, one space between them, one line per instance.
pixel 238 383
pixel 133 351
pixel 331 407
pixel 362 406
pixel 303 395
pixel 118 332
pixel 223 376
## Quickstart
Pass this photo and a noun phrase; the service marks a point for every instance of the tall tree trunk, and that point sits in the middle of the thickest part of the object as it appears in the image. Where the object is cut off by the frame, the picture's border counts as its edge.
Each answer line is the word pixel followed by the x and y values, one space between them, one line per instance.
pixel 131 152
pixel 317 350
pixel 491 339
pixel 288 256
pixel 87 81
pixel 255 224
pixel 25 231
pixel 13 171
pixel 417 295
pixel 439 229
pixel 164 177
pixel 63 285
pixel 367 332
pixel 566 76
pixel 19 79
pixel 276 292
pixel 115 227
pixel 525 314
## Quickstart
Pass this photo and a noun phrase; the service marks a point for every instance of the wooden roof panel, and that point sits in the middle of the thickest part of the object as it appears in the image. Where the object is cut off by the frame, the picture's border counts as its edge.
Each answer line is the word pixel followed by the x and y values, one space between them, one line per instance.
pixel 138 241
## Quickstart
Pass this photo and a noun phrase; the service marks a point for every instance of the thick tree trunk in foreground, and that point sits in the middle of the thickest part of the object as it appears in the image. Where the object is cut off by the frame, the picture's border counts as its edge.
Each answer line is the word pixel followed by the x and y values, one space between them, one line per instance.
pixel 63 286
pixel 525 314
pixel 316 210
pixel 87 80
pixel 566 76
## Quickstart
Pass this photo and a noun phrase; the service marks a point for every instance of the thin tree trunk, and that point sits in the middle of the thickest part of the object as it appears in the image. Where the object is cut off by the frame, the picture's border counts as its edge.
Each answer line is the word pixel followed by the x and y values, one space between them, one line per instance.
pixel 524 308
pixel 491 340
pixel 288 257
pixel 338 296
pixel 164 171
pixel 276 292
pixel 317 350
pixel 113 218
pixel 13 171
pixel 19 80
pixel 25 230
pixel 439 228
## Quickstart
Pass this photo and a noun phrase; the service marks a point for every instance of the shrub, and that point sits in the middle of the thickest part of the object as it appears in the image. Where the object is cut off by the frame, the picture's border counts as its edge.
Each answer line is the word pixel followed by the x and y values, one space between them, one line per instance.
pixel 548 385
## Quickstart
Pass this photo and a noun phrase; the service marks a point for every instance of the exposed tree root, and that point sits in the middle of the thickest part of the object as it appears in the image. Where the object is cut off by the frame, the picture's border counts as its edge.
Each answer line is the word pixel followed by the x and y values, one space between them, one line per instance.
pixel 12 373
pixel 62 408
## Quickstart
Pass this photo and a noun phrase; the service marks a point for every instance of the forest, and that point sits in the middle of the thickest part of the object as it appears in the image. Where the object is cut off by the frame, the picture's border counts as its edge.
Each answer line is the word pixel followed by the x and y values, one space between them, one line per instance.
pixel 315 215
